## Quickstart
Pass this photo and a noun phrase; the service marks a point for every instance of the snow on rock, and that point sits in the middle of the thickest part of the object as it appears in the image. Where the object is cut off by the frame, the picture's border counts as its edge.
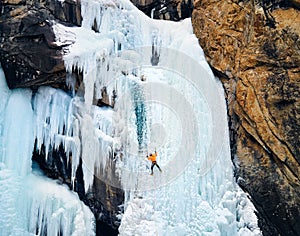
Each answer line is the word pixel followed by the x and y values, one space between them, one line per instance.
pixel 246 218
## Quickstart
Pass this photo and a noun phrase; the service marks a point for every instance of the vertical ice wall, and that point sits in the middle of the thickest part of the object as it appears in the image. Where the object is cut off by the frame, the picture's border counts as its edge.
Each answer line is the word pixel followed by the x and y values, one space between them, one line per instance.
pixel 108 57
pixel 113 48
pixel 194 202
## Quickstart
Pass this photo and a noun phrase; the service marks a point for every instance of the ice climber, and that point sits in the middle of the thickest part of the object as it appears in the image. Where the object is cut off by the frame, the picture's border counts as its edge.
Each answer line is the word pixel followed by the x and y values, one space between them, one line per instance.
pixel 152 158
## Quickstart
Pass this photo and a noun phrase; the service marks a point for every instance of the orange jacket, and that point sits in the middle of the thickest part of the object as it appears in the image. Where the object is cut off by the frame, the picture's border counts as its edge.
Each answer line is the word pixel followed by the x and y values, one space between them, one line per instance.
pixel 152 157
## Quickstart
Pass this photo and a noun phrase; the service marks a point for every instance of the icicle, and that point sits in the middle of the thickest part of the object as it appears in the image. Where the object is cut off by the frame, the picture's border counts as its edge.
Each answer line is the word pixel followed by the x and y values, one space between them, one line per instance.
pixel 71 82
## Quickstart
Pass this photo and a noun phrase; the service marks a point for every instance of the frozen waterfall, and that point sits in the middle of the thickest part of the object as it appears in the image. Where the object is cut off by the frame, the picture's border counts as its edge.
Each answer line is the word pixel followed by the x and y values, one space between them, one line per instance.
pixel 163 97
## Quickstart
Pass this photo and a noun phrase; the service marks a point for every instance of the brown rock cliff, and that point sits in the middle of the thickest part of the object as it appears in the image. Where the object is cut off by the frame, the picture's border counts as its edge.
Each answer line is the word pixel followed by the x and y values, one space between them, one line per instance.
pixel 29 54
pixel 254 47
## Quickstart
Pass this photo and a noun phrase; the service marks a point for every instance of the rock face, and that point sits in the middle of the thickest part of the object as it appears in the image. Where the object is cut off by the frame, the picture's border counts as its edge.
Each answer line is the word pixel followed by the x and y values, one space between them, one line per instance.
pixel 254 47
pixel 29 54
pixel 174 10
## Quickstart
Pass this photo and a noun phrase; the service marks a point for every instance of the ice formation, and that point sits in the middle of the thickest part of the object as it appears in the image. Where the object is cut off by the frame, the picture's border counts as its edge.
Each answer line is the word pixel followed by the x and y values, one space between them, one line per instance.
pixel 31 204
pixel 166 99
